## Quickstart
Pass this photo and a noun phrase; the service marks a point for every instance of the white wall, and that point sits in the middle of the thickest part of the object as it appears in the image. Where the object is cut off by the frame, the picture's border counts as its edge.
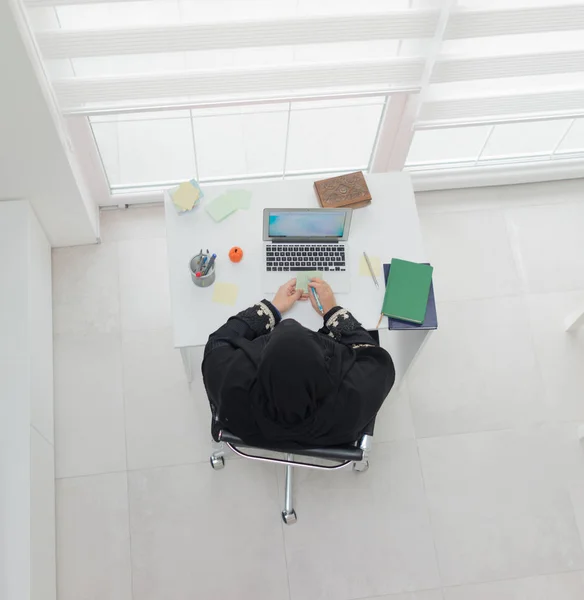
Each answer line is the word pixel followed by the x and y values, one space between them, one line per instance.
pixel 27 496
pixel 36 157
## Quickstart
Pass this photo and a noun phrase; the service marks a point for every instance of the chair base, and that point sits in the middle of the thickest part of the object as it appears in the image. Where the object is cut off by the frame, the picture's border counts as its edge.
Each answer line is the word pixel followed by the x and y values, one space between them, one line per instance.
pixel 217 461
pixel 289 517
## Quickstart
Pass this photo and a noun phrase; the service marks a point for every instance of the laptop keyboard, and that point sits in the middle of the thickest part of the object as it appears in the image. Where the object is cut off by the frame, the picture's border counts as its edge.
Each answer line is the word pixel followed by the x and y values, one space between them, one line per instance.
pixel 308 257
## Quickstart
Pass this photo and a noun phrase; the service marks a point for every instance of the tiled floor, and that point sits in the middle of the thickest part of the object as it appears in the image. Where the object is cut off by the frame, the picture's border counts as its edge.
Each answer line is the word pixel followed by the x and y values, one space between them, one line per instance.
pixel 476 489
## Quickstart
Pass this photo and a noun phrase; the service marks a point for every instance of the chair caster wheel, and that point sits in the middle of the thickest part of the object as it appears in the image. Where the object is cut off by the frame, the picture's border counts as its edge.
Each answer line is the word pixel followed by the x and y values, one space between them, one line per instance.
pixel 289 517
pixel 217 462
pixel 361 467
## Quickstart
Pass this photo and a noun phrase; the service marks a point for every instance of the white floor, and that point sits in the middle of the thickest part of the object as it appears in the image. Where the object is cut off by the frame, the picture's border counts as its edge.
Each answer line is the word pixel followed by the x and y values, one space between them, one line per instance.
pixel 476 489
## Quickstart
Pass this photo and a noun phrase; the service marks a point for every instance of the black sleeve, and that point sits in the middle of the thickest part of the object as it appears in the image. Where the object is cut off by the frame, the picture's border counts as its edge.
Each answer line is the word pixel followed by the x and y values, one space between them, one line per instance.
pixel 363 391
pixel 224 365
pixel 250 323
pixel 341 325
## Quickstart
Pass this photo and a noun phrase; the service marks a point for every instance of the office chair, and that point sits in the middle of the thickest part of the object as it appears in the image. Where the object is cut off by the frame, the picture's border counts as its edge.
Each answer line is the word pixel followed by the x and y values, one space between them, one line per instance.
pixel 356 454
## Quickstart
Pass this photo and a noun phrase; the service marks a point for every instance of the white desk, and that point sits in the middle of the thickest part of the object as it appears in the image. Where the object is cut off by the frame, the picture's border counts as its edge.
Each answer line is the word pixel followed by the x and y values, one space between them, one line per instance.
pixel 388 228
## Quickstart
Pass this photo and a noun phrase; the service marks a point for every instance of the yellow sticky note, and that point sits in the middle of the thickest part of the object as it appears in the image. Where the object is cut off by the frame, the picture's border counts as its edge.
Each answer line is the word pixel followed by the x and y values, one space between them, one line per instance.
pixel 225 293
pixel 185 196
pixel 375 264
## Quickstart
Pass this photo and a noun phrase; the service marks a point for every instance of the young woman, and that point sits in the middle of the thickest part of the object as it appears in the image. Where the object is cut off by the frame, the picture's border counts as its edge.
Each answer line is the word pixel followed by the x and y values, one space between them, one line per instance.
pixel 272 381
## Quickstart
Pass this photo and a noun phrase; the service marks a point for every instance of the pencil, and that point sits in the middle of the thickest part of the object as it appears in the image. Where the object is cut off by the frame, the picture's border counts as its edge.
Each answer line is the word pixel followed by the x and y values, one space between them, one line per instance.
pixel 379 322
pixel 371 270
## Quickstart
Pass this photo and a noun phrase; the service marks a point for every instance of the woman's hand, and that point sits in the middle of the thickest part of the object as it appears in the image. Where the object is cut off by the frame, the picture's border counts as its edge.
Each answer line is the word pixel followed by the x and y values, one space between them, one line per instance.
pixel 325 295
pixel 286 296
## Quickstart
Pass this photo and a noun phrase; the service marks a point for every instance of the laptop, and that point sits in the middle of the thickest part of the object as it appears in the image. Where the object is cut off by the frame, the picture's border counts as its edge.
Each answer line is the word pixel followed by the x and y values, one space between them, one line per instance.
pixel 306 239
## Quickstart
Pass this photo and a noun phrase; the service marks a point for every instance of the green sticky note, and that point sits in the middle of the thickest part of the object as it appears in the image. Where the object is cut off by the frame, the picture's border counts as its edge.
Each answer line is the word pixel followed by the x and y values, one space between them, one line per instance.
pixel 228 203
pixel 303 277
pixel 221 207
pixel 241 197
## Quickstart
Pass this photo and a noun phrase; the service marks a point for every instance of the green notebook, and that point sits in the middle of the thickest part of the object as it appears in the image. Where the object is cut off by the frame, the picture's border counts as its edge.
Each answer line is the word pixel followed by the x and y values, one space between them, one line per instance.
pixel 406 293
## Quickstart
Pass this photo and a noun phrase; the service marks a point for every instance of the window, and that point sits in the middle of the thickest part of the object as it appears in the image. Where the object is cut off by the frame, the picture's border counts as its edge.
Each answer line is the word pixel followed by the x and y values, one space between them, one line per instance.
pixel 227 90
pixel 270 140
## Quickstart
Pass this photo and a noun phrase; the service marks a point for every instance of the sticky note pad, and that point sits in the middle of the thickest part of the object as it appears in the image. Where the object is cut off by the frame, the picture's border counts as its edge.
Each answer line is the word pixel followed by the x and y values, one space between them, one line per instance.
pixel 186 195
pixel 225 293
pixel 375 263
pixel 303 277
pixel 228 203
pixel 221 208
pixel 241 197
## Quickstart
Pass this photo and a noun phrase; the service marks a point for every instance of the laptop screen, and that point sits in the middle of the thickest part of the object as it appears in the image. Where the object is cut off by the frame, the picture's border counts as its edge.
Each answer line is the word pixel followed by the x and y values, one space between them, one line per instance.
pixel 307 224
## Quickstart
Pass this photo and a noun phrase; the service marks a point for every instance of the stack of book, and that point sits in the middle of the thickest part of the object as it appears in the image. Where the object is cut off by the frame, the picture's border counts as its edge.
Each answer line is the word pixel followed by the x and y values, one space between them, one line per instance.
pixel 409 301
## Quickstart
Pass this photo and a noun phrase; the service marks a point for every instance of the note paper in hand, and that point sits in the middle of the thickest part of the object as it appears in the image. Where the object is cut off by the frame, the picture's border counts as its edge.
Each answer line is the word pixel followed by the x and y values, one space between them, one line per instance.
pixel 228 203
pixel 375 264
pixel 225 293
pixel 303 277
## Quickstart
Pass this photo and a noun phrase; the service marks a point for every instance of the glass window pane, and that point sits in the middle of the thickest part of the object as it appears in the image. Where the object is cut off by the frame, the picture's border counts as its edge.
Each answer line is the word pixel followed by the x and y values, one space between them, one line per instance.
pixel 106 138
pixel 154 151
pixel 457 144
pixel 248 143
pixel 574 140
pixel 333 137
pixel 524 139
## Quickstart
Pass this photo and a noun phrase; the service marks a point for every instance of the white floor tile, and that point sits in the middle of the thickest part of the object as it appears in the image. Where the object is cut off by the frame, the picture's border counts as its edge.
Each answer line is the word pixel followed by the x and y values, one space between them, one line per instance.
pixel 500 197
pixel 471 255
pixel 165 424
pixel 93 538
pixel 89 407
pixel 132 223
pixel 478 371
pixel 199 533
pixel 156 151
pixel 362 534
pixel 144 287
pixel 550 246
pixel 394 420
pixel 566 451
pixel 86 289
pixel 563 586
pixel 498 509
pixel 426 595
pixel 560 354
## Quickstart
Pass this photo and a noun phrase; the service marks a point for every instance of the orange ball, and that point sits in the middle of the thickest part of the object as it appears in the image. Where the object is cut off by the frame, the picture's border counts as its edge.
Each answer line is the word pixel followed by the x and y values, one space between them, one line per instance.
pixel 235 254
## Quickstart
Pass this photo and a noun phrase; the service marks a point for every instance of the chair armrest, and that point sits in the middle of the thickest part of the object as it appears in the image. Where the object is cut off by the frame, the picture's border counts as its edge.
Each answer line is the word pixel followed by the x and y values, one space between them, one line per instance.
pixel 338 453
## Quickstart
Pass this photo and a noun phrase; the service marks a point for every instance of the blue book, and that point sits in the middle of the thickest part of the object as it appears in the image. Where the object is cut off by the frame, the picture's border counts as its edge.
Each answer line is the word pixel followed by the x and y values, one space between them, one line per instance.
pixel 431 318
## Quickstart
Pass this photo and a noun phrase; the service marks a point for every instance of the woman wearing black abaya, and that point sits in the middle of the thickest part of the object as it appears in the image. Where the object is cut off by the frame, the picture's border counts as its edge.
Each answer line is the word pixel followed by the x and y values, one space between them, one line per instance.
pixel 275 381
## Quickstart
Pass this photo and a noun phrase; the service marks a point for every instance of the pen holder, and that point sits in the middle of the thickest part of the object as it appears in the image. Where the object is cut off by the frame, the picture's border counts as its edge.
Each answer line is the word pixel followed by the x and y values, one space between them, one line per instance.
pixel 203 280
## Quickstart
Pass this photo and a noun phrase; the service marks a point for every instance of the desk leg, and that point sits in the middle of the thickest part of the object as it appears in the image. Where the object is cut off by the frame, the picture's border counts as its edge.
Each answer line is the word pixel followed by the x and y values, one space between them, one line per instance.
pixel 574 321
pixel 404 348
pixel 188 365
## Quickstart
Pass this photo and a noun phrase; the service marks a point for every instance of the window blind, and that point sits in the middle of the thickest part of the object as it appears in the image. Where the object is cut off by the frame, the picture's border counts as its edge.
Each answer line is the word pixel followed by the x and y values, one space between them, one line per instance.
pixel 189 60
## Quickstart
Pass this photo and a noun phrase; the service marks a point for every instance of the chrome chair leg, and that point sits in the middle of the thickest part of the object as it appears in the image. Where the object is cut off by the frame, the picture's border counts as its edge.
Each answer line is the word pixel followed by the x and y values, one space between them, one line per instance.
pixel 217 459
pixel 289 514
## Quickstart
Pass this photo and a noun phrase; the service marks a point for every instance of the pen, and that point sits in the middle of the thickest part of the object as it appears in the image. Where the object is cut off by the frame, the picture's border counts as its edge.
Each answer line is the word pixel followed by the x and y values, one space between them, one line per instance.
pixel 210 264
pixel 317 299
pixel 371 270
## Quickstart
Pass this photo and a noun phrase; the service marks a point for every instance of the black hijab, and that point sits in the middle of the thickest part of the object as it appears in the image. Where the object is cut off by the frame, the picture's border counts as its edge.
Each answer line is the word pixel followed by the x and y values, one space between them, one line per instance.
pixel 296 378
